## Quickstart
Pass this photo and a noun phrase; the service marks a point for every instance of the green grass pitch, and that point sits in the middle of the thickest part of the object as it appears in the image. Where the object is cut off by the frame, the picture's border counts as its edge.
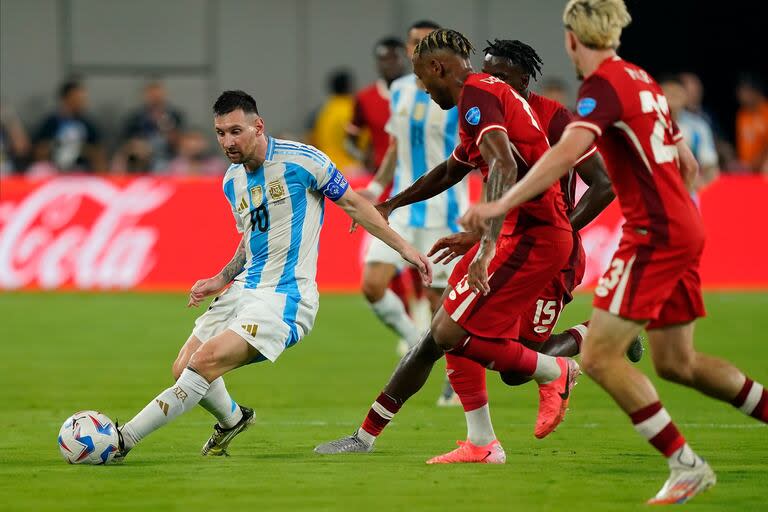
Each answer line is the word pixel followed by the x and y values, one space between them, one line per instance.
pixel 113 352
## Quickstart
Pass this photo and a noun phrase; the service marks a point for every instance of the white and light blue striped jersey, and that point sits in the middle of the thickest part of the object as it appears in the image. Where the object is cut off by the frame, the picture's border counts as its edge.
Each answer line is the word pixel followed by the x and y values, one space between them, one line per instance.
pixel 426 136
pixel 279 207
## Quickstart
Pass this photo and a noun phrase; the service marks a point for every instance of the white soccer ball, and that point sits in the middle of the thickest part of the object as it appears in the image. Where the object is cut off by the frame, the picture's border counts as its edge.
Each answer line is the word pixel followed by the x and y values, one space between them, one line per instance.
pixel 88 437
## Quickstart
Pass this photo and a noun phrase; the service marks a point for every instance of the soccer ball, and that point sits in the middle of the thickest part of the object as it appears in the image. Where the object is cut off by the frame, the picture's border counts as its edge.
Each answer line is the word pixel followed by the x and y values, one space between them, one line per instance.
pixel 88 437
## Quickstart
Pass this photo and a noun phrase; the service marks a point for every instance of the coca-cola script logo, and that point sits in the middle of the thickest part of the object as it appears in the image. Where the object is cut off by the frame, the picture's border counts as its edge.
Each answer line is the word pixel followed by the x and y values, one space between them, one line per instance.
pixel 80 231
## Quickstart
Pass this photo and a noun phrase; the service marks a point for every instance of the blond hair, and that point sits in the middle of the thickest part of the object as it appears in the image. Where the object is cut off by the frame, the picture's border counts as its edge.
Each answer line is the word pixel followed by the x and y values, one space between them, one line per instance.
pixel 597 23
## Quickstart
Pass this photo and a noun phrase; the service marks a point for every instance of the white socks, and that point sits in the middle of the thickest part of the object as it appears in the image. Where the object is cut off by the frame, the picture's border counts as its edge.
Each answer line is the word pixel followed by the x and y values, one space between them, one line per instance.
pixel 218 402
pixel 547 369
pixel 365 437
pixel 391 312
pixel 479 427
pixel 173 402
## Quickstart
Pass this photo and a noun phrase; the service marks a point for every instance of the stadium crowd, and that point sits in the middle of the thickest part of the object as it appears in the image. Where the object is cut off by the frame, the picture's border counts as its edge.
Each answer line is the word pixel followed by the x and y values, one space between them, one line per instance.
pixel 348 126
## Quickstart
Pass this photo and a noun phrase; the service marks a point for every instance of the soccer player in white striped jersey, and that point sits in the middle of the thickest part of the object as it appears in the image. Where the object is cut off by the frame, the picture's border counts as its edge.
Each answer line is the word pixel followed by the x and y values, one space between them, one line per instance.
pixel 422 136
pixel 276 190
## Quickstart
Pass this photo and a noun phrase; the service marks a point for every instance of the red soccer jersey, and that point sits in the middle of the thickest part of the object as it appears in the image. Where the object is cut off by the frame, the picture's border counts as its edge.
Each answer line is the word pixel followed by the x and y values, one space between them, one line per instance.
pixel 487 103
pixel 627 110
pixel 372 112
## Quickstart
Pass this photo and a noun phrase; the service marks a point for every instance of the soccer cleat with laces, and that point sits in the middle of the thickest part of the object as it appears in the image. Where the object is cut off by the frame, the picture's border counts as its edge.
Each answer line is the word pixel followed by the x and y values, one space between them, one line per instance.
pixel 219 441
pixel 554 397
pixel 636 350
pixel 492 453
pixel 349 444
pixel 685 483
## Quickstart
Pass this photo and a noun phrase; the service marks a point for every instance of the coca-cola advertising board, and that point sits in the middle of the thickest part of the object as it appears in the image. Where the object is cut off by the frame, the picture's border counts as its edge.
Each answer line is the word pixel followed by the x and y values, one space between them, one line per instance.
pixel 156 233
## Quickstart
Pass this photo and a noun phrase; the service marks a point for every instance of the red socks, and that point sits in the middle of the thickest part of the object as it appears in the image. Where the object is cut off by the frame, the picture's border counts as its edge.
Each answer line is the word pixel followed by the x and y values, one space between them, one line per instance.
pixel 500 356
pixel 380 414
pixel 653 423
pixel 468 381
pixel 752 400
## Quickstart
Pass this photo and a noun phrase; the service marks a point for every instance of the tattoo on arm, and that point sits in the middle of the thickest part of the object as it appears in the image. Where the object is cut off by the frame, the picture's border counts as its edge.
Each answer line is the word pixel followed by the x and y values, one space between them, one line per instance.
pixel 236 265
pixel 499 181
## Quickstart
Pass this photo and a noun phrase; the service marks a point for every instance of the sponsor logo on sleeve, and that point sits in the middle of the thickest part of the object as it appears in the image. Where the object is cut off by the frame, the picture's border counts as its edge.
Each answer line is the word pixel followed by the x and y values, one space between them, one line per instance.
pixel 473 116
pixel 585 106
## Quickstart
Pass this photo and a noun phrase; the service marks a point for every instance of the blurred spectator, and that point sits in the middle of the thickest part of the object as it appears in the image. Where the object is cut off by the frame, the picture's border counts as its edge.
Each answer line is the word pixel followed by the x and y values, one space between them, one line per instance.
pixel 371 110
pixel 67 139
pixel 156 122
pixel 555 89
pixel 195 158
pixel 330 123
pixel 752 124
pixel 694 103
pixel 133 157
pixel 14 142
pixel 696 131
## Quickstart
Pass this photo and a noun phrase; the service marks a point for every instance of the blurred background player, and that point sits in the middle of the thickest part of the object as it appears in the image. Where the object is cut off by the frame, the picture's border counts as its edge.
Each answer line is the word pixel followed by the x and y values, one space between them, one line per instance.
pixel 696 132
pixel 371 110
pixel 494 283
pixel 516 63
pixel 276 190
pixel 653 280
pixel 329 123
pixel 752 124
pixel 422 136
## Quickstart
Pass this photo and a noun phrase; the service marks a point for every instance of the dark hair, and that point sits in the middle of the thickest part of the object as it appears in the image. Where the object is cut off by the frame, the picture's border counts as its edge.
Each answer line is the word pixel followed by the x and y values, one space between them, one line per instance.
pixel 518 52
pixel 445 39
pixel 752 81
pixel 340 82
pixel 666 78
pixel 424 24
pixel 390 43
pixel 67 87
pixel 229 101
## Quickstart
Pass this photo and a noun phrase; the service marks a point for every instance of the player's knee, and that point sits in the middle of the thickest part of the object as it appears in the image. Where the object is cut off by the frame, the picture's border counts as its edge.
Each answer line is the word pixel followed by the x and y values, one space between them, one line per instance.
pixel 593 364
pixel 204 361
pixel 443 335
pixel 374 290
pixel 677 371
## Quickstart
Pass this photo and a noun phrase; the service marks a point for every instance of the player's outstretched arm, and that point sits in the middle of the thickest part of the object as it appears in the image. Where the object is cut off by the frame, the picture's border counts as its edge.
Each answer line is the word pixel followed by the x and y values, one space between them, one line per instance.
pixel 365 214
pixel 207 287
pixel 599 194
pixel 548 169
pixel 441 178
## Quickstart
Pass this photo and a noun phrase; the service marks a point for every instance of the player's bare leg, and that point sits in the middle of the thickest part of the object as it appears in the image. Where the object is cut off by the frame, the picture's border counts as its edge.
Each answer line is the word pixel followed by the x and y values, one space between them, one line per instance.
pixel 447 398
pixel 603 360
pixel 676 359
pixel 385 304
pixel 209 362
pixel 556 377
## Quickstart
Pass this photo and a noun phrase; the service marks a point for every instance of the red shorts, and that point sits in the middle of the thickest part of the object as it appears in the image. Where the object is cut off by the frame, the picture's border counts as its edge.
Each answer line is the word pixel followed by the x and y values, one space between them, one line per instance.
pixel 537 322
pixel 523 266
pixel 661 285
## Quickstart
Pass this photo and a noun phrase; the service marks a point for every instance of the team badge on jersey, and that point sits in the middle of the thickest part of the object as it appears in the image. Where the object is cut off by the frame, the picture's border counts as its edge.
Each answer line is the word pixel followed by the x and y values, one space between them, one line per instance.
pixel 585 106
pixel 419 111
pixel 473 116
pixel 257 196
pixel 276 190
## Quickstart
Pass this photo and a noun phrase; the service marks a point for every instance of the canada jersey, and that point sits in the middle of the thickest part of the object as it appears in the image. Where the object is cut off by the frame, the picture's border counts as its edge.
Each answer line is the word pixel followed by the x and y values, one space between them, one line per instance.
pixel 628 111
pixel 487 103
pixel 425 136
pixel 279 208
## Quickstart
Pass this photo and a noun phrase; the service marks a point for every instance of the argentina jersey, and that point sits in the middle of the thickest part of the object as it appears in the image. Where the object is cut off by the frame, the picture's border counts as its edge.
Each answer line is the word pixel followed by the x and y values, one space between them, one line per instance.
pixel 426 136
pixel 279 208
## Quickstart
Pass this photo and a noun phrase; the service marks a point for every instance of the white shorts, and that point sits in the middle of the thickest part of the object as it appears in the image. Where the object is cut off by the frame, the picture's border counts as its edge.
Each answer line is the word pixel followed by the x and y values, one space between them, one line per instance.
pixel 422 239
pixel 269 321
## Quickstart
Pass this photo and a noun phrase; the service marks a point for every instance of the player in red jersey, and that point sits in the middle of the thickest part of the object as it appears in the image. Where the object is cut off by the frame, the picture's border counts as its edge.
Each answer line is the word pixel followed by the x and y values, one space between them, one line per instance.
pixel 516 63
pixel 371 109
pixel 653 280
pixel 517 257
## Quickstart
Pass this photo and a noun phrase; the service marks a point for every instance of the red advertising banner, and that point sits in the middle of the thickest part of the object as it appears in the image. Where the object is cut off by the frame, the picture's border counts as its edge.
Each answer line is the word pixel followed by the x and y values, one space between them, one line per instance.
pixel 153 233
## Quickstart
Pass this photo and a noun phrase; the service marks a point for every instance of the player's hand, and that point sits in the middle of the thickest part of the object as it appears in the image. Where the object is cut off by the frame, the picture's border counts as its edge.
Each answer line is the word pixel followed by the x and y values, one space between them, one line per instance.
pixel 452 246
pixel 421 263
pixel 205 288
pixel 476 218
pixel 477 276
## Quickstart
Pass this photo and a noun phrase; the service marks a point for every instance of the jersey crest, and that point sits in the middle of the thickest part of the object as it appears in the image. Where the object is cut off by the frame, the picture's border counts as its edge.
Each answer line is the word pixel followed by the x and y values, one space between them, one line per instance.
pixel 473 116
pixel 257 196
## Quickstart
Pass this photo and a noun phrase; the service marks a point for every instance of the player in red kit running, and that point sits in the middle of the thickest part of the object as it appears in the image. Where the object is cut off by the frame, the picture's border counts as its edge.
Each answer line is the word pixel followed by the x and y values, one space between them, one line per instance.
pixel 653 280
pixel 516 63
pixel 516 258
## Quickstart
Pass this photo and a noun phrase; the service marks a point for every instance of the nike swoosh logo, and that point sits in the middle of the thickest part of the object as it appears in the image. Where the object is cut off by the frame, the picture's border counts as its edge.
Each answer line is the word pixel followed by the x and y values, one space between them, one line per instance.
pixel 486 456
pixel 564 395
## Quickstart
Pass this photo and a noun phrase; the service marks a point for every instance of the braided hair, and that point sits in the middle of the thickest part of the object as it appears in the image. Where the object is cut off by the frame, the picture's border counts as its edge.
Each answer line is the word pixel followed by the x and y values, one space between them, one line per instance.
pixel 445 39
pixel 518 52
